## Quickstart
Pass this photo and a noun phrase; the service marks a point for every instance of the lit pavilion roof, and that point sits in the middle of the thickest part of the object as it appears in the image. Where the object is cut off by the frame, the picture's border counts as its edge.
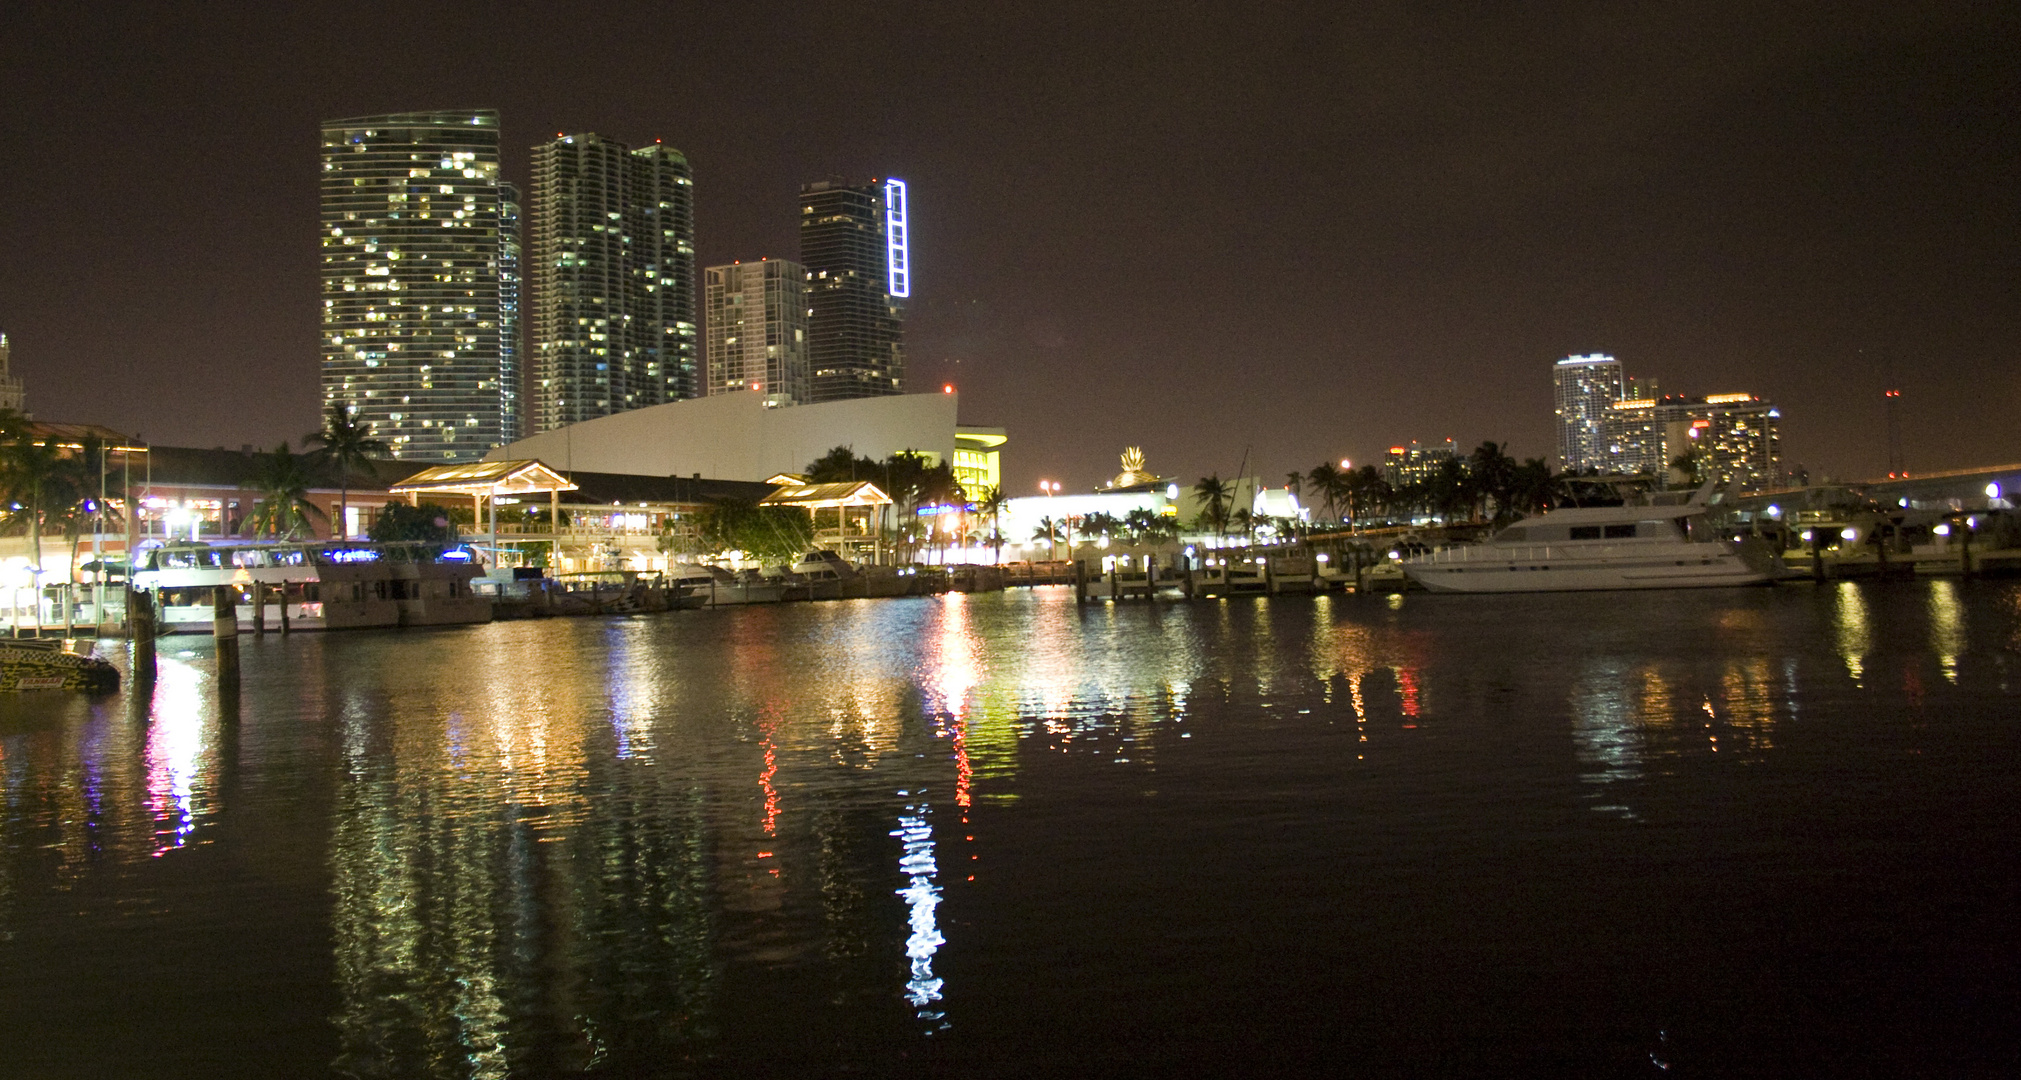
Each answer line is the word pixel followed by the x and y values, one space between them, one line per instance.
pixel 824 496
pixel 485 478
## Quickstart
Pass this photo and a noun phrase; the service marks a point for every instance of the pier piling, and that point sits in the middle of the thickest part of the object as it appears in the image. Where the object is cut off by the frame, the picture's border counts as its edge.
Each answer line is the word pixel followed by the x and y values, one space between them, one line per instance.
pixel 140 632
pixel 225 625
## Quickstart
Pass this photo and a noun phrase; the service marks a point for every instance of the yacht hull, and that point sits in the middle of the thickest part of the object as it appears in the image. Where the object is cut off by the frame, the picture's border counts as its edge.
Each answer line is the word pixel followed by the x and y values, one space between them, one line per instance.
pixel 1599 567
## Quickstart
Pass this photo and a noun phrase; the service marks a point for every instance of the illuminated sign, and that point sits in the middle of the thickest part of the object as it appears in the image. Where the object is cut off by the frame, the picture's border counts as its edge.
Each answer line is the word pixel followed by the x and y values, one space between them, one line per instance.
pixel 900 275
pixel 1727 399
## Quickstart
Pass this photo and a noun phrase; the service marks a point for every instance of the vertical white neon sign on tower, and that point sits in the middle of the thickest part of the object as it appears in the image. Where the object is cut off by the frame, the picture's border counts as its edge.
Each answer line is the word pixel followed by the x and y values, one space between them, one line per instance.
pixel 899 276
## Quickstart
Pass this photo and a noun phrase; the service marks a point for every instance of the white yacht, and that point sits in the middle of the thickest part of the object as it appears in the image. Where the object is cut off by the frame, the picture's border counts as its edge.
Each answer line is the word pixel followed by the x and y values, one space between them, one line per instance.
pixel 318 586
pixel 1608 547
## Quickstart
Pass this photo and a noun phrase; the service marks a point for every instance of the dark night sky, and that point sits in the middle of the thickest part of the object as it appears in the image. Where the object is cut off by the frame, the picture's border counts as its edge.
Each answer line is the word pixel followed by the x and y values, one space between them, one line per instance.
pixel 1307 230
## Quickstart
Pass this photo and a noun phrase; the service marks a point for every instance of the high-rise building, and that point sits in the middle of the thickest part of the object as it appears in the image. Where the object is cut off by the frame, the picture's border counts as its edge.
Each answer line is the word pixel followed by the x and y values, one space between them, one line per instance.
pixel 1735 439
pixel 1729 438
pixel 612 298
pixel 1586 387
pixel 1404 466
pixel 1636 431
pixel 853 243
pixel 511 347
pixel 414 242
pixel 757 328
pixel 13 395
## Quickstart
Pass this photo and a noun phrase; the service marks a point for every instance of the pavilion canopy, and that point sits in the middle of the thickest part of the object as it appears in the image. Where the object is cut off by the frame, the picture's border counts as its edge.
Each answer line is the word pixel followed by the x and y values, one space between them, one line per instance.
pixel 823 496
pixel 485 478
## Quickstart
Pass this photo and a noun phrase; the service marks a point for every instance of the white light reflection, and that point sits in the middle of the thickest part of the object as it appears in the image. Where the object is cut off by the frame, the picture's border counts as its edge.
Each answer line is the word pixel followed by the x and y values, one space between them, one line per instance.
pixel 174 747
pixel 1947 627
pixel 632 682
pixel 922 896
pixel 1853 639
pixel 1605 735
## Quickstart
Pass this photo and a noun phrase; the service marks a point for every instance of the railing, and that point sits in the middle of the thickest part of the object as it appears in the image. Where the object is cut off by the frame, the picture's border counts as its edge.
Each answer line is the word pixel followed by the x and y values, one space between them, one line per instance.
pixel 543 532
pixel 72 610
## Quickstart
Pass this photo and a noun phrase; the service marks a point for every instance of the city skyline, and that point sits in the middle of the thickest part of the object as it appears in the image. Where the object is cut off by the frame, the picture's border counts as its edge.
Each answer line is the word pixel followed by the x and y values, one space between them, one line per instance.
pixel 1812 206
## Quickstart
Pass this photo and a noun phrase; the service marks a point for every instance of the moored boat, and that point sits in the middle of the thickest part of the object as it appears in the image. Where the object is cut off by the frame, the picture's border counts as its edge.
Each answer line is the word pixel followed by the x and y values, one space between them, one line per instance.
pixel 1596 548
pixel 313 586
pixel 43 664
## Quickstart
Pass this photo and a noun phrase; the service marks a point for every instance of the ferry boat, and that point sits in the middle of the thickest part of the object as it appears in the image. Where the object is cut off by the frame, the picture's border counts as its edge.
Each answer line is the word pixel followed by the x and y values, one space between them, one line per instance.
pixel 321 586
pixel 1611 547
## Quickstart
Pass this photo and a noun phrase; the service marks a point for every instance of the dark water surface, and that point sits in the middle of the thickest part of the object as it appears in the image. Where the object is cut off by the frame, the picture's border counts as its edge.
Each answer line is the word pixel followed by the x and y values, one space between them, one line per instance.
pixel 1751 832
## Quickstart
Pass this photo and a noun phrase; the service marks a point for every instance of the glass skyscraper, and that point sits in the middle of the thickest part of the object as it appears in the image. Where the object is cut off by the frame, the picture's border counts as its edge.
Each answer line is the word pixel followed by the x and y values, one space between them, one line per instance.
pixel 417 244
pixel 757 327
pixel 612 251
pixel 853 246
pixel 1586 388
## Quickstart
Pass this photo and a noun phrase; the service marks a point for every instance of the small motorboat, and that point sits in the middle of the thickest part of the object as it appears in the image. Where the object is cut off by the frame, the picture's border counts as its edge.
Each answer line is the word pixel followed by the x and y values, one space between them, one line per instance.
pixel 39 664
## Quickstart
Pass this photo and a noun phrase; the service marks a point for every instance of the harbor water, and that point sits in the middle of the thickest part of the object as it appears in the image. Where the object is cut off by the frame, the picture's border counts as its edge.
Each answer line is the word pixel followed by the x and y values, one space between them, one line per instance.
pixel 1735 832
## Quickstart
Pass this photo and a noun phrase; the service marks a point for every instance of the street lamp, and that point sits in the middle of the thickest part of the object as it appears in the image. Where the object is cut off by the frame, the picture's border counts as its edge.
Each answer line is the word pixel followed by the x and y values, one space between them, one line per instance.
pixel 1052 488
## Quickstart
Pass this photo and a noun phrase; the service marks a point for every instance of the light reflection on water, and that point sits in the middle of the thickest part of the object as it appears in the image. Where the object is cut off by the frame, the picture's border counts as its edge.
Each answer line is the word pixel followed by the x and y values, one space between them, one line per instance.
pixel 177 795
pixel 551 847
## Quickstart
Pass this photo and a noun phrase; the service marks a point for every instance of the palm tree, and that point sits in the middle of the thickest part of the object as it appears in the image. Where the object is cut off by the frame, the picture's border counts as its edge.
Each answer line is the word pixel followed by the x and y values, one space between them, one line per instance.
pixel 1100 525
pixel 1450 490
pixel 1048 531
pixel 1215 494
pixel 1533 488
pixel 990 502
pixel 1325 479
pixel 82 479
pixel 1367 488
pixel 32 474
pixel 1689 464
pixel 1244 521
pixel 1494 476
pixel 283 483
pixel 1294 482
pixel 1141 523
pixel 347 445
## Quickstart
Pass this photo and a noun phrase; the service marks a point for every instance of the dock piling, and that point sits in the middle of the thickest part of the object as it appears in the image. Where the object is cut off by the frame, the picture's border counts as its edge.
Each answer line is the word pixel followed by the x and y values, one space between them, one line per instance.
pixel 225 626
pixel 140 632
